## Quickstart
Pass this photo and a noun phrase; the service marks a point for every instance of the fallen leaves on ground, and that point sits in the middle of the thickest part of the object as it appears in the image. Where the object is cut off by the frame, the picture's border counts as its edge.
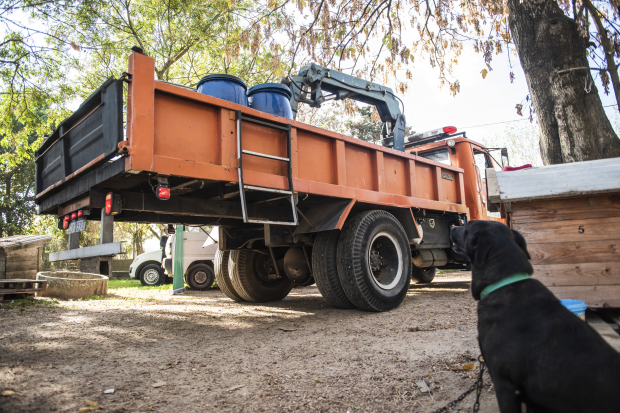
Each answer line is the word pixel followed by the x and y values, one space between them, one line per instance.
pixel 470 366
pixel 9 392
pixel 91 407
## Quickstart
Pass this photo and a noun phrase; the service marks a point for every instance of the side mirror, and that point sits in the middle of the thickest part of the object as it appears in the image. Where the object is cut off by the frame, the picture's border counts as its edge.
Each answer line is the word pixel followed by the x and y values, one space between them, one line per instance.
pixel 505 156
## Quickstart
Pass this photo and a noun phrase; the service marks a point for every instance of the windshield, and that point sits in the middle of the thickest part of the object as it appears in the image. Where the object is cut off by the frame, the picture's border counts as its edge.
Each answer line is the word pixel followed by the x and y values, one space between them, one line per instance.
pixel 439 155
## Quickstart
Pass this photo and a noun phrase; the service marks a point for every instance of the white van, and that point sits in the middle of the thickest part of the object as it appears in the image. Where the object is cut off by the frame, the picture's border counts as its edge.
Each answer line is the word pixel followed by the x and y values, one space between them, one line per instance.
pixel 147 268
pixel 198 256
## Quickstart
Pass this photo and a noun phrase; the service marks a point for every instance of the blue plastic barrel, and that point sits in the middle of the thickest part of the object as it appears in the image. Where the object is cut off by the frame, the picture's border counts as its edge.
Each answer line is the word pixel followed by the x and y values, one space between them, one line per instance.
pixel 273 98
pixel 576 307
pixel 223 86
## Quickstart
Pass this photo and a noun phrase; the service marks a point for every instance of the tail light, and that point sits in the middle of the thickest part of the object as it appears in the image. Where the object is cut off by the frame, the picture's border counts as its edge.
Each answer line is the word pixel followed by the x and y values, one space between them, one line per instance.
pixel 74 215
pixel 108 203
pixel 65 222
pixel 163 189
pixel 163 192
pixel 449 129
pixel 80 214
pixel 112 204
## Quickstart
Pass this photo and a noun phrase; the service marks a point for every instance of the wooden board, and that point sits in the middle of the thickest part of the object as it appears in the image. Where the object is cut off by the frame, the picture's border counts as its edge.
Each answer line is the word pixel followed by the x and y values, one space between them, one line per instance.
pixel 575 252
pixel 562 180
pixel 594 229
pixel 594 295
pixel 591 273
pixel 601 206
pixel 605 331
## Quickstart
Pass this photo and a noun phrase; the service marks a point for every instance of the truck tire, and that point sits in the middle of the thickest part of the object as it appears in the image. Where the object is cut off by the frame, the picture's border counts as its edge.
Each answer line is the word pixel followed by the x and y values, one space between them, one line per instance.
pixel 250 275
pixel 423 275
pixel 374 261
pixel 222 277
pixel 152 275
pixel 324 252
pixel 200 277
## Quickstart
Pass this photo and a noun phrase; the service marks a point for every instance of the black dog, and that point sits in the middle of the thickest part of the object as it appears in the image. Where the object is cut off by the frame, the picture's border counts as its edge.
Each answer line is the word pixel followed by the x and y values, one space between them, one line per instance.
pixel 538 352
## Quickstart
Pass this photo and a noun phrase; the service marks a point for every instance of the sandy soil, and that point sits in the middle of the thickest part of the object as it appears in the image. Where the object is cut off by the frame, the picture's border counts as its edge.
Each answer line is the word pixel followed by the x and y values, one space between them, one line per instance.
pixel 202 352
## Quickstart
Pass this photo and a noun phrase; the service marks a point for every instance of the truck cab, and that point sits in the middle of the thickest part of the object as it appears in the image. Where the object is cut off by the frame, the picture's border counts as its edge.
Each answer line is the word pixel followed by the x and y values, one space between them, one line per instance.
pixel 474 158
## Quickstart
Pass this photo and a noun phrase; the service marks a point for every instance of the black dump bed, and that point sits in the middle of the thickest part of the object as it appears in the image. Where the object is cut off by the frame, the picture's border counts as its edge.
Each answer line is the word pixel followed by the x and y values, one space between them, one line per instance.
pixel 87 138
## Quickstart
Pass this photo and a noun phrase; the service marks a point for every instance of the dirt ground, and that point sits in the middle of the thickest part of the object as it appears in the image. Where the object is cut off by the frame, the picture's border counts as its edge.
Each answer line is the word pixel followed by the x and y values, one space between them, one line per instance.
pixel 203 352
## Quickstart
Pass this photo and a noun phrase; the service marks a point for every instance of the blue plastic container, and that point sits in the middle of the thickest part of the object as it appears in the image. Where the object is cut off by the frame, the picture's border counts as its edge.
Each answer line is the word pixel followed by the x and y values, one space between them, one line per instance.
pixel 273 98
pixel 223 86
pixel 576 307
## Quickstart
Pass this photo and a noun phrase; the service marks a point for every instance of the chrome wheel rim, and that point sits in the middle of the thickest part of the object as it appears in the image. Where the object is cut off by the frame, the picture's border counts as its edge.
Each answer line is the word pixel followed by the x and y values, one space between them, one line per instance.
pixel 151 277
pixel 200 277
pixel 385 260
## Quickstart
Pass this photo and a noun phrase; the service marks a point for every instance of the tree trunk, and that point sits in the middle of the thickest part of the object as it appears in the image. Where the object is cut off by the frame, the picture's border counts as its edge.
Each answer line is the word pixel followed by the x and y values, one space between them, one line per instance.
pixel 573 124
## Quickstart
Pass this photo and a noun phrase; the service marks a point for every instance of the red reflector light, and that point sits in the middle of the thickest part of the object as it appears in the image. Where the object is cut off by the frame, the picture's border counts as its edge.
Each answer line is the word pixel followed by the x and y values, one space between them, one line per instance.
pixel 163 192
pixel 108 204
pixel 74 215
pixel 449 129
pixel 65 222
pixel 67 218
pixel 80 214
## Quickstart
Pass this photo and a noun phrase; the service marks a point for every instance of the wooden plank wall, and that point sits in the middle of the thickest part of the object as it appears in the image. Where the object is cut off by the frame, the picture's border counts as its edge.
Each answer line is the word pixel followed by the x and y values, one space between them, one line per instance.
pixel 22 263
pixel 575 245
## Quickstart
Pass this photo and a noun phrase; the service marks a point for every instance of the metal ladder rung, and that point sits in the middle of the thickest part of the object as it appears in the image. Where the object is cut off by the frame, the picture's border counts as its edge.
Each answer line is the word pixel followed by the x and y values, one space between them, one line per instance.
pixel 242 187
pixel 264 155
pixel 275 191
pixel 264 221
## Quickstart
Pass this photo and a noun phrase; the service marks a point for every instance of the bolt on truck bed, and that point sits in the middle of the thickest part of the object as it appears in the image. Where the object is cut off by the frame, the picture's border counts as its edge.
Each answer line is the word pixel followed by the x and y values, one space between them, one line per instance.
pixel 189 140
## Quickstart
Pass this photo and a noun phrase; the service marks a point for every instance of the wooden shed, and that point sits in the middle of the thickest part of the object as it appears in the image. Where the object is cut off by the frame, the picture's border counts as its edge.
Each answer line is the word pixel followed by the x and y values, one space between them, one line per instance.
pixel 569 215
pixel 21 256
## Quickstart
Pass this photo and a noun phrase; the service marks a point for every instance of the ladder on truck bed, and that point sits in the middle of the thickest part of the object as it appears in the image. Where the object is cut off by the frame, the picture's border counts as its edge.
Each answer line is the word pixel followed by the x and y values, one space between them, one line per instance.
pixel 290 193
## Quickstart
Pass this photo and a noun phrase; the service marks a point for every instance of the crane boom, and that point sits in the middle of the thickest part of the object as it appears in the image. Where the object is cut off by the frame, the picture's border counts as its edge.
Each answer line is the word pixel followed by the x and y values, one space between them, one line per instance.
pixel 313 82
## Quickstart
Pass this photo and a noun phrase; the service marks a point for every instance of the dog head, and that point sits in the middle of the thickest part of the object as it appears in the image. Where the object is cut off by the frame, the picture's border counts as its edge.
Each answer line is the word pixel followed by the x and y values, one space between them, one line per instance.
pixel 495 252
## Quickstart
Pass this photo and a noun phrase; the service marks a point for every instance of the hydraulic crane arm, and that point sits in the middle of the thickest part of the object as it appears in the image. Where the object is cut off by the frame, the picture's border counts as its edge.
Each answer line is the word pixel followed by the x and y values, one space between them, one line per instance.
pixel 313 82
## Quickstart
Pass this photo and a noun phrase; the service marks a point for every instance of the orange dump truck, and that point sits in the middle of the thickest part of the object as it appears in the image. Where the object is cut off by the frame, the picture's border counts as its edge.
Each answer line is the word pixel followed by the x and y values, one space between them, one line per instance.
pixel 294 203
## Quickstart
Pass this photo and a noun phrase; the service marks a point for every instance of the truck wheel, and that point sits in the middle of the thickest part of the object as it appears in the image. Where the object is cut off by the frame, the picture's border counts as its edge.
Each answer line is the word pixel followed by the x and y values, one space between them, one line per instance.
pixel 222 277
pixel 200 277
pixel 324 253
pixel 423 275
pixel 254 279
pixel 374 261
pixel 152 275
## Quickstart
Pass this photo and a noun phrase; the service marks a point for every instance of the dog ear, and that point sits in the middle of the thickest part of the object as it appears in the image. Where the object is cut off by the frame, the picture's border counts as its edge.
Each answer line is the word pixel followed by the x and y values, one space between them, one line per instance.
pixel 521 243
pixel 483 247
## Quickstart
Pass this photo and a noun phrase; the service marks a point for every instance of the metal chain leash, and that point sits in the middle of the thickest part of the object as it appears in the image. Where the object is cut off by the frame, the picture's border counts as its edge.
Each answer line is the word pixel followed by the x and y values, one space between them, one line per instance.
pixel 476 386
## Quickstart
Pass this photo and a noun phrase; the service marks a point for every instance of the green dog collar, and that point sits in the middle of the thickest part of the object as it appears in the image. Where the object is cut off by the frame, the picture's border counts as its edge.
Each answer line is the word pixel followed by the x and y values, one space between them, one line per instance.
pixel 506 281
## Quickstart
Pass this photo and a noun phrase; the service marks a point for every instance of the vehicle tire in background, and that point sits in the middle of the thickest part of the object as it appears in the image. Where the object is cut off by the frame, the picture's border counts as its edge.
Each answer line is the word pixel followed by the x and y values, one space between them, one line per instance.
pixel 325 269
pixel 152 275
pixel 222 277
pixel 374 261
pixel 423 275
pixel 254 278
pixel 200 277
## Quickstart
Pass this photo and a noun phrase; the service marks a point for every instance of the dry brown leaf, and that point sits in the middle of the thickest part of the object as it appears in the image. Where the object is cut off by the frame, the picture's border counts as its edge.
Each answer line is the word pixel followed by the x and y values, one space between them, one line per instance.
pixel 470 366
pixel 8 393
pixel 158 384
pixel 92 404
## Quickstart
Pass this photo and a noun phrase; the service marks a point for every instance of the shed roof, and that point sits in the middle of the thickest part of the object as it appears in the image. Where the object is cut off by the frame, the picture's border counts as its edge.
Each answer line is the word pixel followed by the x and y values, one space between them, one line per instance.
pixel 555 181
pixel 23 241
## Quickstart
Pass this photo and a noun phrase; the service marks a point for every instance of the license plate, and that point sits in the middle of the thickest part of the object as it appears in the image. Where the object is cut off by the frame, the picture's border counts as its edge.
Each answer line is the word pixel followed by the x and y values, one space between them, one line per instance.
pixel 77 226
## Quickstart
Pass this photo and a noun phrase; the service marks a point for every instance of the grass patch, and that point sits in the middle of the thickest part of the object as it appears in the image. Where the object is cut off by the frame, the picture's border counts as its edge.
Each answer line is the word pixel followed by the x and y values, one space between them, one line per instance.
pixel 21 304
pixel 116 284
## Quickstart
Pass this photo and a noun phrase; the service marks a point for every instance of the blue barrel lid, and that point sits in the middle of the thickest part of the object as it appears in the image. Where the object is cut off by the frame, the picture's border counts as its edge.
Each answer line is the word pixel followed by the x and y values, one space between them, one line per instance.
pixel 222 76
pixel 271 87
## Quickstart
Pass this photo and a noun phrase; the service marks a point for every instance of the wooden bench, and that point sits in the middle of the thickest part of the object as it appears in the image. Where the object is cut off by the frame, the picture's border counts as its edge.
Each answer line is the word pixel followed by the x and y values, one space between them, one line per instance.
pixel 17 288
